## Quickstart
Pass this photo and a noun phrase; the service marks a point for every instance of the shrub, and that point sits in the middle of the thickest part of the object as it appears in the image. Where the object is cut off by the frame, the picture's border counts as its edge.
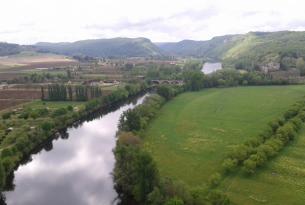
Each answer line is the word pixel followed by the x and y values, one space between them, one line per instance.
pixel 229 164
pixel 59 112
pixel 214 180
pixel 6 115
pixel 165 91
pixel 47 126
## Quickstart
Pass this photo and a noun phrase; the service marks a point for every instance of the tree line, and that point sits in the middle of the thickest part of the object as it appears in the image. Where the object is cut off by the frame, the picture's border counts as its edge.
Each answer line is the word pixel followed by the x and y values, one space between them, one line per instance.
pixel 61 92
pixel 256 152
pixel 196 80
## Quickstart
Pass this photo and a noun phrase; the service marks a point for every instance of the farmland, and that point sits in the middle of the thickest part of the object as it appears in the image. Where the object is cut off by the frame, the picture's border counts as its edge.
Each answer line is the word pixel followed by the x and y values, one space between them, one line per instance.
pixel 196 130
pixel 13 97
pixel 29 60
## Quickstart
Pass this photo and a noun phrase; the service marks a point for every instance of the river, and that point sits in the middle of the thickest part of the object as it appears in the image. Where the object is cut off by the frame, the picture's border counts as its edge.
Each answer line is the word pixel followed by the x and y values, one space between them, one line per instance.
pixel 208 68
pixel 75 169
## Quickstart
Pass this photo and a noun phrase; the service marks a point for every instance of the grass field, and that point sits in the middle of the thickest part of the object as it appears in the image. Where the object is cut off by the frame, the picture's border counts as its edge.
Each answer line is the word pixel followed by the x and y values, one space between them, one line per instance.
pixel 193 133
pixel 282 181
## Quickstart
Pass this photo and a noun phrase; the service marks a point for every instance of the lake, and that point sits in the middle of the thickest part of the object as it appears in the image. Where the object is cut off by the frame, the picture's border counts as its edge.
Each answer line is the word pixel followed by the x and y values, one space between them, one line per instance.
pixel 75 169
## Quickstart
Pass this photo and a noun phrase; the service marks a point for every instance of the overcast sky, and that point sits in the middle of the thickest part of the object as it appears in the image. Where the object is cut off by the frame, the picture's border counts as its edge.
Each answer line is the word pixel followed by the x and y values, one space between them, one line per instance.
pixel 31 21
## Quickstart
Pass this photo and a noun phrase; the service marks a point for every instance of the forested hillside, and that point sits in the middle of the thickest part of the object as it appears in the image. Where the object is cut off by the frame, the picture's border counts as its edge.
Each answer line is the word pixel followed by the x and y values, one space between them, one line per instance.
pixel 253 50
pixel 116 47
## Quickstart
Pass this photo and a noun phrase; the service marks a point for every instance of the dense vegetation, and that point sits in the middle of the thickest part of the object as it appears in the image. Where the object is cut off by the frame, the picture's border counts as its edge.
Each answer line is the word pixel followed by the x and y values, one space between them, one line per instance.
pixel 116 47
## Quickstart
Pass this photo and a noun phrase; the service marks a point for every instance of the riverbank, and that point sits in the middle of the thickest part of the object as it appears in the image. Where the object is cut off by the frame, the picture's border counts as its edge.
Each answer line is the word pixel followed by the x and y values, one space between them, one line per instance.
pixel 25 129
pixel 76 168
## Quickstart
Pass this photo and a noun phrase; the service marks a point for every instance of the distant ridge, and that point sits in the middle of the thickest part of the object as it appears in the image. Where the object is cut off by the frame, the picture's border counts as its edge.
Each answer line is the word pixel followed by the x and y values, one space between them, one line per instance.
pixel 115 47
pixel 253 50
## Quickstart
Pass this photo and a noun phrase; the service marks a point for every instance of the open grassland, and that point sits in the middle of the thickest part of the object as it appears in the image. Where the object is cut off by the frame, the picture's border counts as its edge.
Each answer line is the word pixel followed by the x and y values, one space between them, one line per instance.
pixel 193 133
pixel 282 181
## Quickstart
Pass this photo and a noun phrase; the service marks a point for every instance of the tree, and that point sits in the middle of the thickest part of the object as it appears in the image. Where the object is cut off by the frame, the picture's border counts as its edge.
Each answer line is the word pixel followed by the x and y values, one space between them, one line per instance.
pixel 193 80
pixel 130 120
pixel 165 91
pixel 249 166
pixel 229 164
pixel 300 64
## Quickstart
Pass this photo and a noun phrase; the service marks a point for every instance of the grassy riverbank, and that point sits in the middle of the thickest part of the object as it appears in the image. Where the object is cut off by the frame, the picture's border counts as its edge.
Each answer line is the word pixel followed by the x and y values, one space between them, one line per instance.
pixel 194 132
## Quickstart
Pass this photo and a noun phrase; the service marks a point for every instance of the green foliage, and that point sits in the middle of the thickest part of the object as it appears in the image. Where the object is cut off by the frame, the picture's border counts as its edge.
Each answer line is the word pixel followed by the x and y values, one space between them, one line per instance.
pixel 6 115
pixel 135 173
pixel 174 201
pixel 300 65
pixel 166 91
pixel 47 126
pixel 137 119
pixel 59 112
pixel 193 80
pixel 214 180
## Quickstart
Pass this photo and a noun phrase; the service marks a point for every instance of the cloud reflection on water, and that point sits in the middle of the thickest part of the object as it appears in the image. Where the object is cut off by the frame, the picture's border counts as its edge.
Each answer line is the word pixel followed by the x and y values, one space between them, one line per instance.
pixel 76 171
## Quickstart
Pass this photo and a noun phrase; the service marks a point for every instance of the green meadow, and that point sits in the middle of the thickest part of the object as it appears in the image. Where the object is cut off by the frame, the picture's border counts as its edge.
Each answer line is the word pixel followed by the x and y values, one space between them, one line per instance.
pixel 193 133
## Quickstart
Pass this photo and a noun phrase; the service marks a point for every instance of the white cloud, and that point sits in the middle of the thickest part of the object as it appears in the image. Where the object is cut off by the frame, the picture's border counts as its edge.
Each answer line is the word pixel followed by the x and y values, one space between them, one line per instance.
pixel 70 20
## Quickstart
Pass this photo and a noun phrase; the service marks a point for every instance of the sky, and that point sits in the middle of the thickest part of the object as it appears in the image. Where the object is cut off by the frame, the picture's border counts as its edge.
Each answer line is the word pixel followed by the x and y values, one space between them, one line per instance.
pixel 31 21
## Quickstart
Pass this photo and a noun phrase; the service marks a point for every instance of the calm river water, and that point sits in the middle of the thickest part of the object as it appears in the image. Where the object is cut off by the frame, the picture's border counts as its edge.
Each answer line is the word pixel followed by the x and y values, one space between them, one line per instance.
pixel 76 169
pixel 211 67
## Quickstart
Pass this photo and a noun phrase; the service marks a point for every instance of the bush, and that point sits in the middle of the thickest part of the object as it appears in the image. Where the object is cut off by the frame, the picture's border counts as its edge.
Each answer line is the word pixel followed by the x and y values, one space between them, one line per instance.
pixel 47 126
pixel 6 115
pixel 249 166
pixel 59 112
pixel 214 180
pixel 229 165
pixel 166 91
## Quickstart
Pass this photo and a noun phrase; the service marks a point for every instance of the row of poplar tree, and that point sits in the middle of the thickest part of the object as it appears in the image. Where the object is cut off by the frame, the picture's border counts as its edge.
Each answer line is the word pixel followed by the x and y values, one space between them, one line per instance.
pixel 61 92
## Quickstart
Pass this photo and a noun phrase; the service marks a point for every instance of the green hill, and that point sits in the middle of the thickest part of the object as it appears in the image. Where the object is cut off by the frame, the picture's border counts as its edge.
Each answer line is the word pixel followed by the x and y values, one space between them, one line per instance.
pixel 116 47
pixel 248 51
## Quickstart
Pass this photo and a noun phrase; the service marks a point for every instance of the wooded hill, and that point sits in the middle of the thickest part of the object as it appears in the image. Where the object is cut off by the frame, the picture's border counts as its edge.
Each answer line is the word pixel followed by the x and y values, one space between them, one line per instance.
pixel 116 47
pixel 245 51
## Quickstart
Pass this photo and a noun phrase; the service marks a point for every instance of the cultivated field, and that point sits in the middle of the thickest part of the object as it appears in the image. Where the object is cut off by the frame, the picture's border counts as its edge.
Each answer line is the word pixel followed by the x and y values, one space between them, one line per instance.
pixel 32 60
pixel 193 133
pixel 13 97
